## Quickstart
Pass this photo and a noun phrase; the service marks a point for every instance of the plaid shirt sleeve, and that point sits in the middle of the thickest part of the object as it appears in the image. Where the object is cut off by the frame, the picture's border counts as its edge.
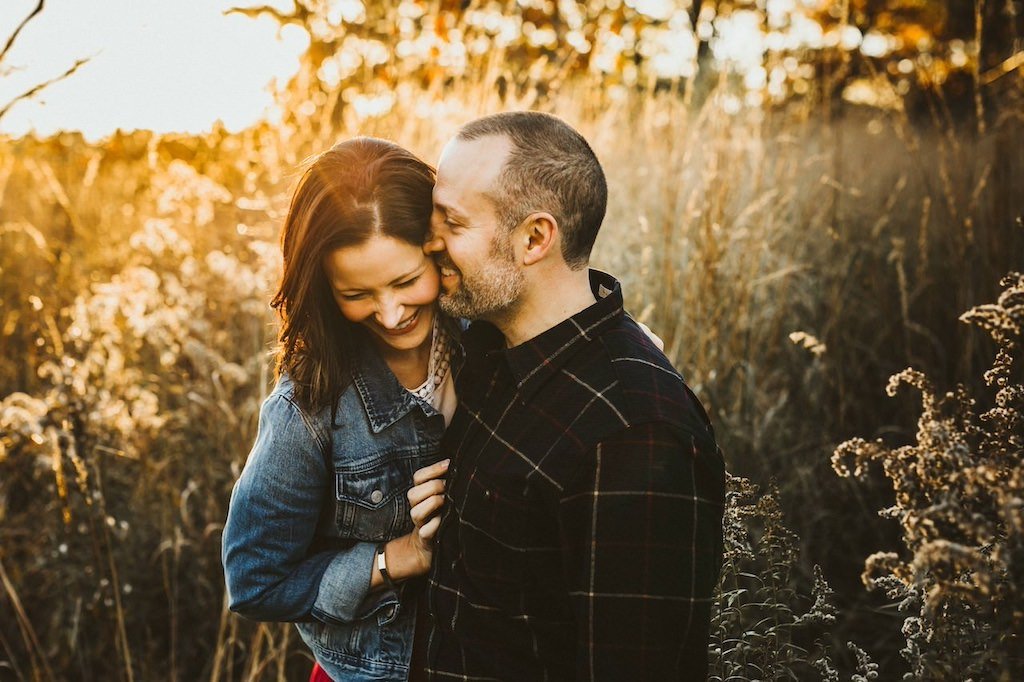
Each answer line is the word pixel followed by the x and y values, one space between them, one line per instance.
pixel 641 534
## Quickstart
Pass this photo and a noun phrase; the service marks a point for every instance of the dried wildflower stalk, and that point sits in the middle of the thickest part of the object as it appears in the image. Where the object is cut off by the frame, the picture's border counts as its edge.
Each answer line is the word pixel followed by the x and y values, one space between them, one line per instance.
pixel 757 612
pixel 960 501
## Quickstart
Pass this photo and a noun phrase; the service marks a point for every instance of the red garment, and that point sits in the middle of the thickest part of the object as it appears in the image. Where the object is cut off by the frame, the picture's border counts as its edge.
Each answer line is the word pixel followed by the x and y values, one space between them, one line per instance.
pixel 318 674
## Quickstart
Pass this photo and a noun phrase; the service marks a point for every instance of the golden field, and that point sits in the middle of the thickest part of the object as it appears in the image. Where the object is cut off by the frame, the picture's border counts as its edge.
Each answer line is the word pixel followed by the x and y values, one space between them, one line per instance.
pixel 792 255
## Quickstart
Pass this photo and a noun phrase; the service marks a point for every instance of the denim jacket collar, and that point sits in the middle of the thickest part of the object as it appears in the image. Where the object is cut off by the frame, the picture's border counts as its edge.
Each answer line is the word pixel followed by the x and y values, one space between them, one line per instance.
pixel 384 398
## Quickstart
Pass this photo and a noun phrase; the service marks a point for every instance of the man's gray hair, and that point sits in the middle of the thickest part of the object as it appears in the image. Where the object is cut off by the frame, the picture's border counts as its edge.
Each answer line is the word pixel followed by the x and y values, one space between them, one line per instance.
pixel 550 168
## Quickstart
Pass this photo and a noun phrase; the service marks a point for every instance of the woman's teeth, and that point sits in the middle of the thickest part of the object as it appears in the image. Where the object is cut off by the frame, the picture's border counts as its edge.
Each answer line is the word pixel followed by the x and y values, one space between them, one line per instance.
pixel 399 327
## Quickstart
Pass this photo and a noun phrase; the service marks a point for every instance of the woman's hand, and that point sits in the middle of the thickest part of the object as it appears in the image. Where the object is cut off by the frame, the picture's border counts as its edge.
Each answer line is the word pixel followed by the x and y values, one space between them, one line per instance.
pixel 410 555
pixel 651 335
pixel 426 498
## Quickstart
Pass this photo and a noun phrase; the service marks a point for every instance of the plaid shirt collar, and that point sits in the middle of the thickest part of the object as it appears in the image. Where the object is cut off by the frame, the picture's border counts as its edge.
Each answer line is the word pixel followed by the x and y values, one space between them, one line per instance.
pixel 533 362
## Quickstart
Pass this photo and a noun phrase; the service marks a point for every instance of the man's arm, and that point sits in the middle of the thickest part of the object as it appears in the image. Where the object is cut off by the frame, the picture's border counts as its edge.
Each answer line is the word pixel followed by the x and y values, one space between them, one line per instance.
pixel 641 533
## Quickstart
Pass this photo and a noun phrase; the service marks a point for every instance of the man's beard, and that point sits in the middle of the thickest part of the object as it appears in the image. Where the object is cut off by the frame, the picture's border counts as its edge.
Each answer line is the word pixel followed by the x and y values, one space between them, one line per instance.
pixel 490 293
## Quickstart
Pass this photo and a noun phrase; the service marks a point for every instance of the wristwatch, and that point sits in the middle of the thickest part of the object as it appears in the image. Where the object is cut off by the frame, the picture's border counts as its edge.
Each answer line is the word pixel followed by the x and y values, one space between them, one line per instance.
pixel 382 567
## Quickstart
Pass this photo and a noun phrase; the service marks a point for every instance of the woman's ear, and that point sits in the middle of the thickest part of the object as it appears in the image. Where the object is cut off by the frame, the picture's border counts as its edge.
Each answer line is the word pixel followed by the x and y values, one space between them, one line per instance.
pixel 538 235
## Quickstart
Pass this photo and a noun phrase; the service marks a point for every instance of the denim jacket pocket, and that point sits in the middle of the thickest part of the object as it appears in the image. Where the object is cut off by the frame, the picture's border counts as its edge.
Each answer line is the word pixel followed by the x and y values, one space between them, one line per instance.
pixel 376 646
pixel 372 503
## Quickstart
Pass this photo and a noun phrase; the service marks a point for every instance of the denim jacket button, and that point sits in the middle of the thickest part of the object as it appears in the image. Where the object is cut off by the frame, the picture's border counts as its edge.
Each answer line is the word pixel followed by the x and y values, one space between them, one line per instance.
pixel 376 496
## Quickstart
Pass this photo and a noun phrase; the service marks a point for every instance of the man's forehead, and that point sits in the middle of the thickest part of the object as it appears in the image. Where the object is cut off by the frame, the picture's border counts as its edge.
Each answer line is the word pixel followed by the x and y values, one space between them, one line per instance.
pixel 473 162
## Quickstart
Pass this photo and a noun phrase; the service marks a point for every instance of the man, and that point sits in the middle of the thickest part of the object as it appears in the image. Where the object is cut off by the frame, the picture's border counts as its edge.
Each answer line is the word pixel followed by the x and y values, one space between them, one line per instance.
pixel 581 535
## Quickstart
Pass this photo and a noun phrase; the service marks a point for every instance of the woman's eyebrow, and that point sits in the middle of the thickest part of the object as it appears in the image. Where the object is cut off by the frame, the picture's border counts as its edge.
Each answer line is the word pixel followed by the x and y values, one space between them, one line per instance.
pixel 415 271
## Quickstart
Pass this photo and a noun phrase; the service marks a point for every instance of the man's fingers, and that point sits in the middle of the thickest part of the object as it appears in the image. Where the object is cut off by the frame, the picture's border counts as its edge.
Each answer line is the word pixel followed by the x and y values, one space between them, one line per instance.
pixel 423 511
pixel 433 471
pixel 429 529
pixel 422 491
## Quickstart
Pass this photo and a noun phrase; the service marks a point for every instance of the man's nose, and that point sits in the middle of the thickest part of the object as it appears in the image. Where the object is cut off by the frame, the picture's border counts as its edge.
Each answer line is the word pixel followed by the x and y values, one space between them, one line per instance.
pixel 433 245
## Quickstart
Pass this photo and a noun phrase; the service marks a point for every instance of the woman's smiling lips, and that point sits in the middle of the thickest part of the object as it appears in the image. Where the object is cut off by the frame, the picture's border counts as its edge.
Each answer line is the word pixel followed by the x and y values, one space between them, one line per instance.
pixel 403 328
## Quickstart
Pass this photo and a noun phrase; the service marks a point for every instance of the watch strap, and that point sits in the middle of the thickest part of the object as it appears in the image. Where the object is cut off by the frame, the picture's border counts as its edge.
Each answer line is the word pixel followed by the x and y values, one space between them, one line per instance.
pixel 382 567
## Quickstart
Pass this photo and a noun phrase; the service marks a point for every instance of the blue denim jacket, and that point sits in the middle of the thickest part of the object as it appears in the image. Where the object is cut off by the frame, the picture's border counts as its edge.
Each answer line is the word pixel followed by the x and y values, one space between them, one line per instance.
pixel 309 509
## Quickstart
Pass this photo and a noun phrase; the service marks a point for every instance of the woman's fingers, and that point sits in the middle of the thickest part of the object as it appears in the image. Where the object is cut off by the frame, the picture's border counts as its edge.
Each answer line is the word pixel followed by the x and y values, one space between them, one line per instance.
pixel 421 512
pixel 429 529
pixel 430 472
pixel 422 491
pixel 426 497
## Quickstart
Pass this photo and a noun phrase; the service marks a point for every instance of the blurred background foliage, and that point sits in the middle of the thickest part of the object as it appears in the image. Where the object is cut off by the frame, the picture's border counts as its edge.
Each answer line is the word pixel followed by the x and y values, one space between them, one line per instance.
pixel 805 196
pixel 359 54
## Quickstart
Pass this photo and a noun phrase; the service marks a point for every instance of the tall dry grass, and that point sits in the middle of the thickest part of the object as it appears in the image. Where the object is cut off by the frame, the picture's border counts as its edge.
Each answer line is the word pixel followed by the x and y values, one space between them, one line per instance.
pixel 791 258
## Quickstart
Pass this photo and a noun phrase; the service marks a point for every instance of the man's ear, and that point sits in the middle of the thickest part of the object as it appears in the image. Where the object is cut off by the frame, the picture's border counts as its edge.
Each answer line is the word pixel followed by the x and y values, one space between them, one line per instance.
pixel 537 235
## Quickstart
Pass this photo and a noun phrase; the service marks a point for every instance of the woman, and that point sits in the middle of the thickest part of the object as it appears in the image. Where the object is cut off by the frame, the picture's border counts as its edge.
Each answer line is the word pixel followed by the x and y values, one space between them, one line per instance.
pixel 319 529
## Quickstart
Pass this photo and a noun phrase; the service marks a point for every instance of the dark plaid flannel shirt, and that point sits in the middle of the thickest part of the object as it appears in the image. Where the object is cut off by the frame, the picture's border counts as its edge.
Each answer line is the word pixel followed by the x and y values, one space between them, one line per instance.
pixel 581 537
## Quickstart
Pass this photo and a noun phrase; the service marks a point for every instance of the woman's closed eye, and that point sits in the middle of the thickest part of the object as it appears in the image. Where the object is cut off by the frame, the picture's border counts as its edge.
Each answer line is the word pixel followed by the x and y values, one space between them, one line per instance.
pixel 359 296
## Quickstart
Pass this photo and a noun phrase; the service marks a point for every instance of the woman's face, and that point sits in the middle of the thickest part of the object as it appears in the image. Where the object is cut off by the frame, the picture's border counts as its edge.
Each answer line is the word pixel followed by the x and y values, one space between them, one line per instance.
pixel 388 286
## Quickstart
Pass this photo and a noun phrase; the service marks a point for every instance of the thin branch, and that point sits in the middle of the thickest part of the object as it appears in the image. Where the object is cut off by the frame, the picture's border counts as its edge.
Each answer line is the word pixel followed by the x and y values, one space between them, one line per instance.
pixel 35 89
pixel 979 26
pixel 28 633
pixel 1008 65
pixel 297 15
pixel 6 71
pixel 14 36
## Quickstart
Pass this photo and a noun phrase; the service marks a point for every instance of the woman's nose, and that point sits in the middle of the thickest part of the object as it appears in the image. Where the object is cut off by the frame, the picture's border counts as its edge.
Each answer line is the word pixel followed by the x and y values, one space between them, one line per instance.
pixel 389 313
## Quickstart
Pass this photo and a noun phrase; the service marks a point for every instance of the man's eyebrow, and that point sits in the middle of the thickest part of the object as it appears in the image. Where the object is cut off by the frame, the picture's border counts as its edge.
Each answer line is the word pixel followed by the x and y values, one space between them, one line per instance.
pixel 449 211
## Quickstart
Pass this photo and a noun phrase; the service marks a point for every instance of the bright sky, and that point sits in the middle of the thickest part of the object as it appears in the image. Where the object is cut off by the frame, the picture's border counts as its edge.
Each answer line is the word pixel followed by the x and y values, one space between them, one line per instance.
pixel 166 65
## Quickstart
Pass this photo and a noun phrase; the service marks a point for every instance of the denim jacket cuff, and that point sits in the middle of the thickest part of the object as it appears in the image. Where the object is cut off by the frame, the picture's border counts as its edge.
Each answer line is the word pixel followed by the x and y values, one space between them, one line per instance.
pixel 345 584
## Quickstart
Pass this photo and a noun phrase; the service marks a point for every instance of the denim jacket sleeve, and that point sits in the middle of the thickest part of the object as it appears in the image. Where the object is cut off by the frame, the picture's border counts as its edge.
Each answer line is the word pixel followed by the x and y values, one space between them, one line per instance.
pixel 271 574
